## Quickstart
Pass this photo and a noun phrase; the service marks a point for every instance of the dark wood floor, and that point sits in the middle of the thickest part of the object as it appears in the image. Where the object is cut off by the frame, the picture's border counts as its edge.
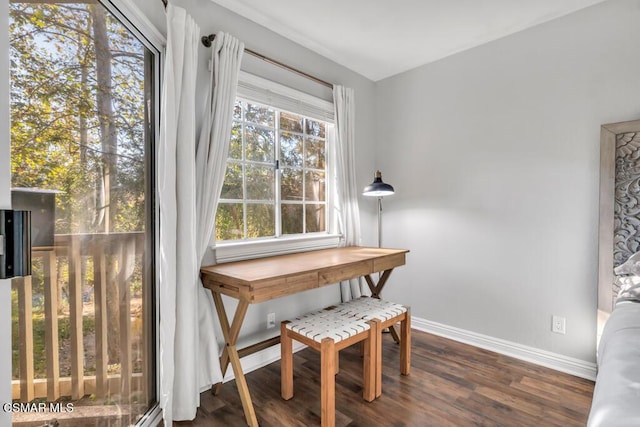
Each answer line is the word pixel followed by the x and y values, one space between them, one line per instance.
pixel 451 384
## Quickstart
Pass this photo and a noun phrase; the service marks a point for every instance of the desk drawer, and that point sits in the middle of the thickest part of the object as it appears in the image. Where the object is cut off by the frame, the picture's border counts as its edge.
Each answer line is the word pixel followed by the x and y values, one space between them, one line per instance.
pixel 388 262
pixel 345 272
pixel 284 286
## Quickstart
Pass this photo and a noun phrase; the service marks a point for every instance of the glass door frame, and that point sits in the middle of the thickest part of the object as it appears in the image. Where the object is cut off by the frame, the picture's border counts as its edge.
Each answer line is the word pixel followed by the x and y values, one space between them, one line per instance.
pixel 5 203
pixel 130 16
pixel 136 22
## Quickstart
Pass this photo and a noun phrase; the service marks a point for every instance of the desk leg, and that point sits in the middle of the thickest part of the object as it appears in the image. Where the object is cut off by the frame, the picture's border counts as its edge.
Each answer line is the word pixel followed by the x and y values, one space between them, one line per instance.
pixel 230 354
pixel 224 325
pixel 394 334
pixel 224 364
pixel 376 292
pixel 376 289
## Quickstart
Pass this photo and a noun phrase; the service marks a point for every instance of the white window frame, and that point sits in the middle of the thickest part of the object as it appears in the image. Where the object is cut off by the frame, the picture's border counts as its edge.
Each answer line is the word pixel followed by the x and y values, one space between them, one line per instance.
pixel 269 93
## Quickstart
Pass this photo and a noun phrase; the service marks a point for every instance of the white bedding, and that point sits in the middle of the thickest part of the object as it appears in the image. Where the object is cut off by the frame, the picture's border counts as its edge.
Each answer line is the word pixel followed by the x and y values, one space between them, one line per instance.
pixel 616 398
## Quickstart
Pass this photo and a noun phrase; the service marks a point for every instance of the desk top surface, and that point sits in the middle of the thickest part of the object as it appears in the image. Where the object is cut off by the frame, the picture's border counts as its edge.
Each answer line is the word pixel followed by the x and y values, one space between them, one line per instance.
pixel 270 277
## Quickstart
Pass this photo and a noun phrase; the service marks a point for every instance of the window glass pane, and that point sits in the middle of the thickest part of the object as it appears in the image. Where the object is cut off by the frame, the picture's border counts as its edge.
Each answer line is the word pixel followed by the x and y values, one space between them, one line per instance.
pixel 82 103
pixel 315 215
pixel 314 186
pixel 314 152
pixel 237 111
pixel 291 184
pixel 291 219
pixel 299 145
pixel 315 128
pixel 260 220
pixel 290 149
pixel 232 187
pixel 229 221
pixel 259 144
pixel 258 114
pixel 291 122
pixel 260 182
pixel 235 145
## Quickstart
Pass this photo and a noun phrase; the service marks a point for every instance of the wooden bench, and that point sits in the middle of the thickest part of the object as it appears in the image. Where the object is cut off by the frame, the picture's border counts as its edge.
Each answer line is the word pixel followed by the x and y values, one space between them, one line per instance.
pixel 329 331
pixel 388 314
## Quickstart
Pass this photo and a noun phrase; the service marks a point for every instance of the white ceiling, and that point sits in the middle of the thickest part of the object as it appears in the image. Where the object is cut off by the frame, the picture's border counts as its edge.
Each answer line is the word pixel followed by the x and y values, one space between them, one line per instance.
pixel 380 38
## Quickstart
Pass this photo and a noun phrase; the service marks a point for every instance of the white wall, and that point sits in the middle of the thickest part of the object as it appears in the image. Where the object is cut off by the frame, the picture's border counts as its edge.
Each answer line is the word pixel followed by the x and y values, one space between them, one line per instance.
pixel 5 203
pixel 494 155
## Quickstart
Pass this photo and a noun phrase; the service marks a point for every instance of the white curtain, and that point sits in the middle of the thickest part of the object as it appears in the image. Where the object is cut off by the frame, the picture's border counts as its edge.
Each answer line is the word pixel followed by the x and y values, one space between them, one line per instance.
pixel 347 188
pixel 213 145
pixel 211 159
pixel 178 269
pixel 189 182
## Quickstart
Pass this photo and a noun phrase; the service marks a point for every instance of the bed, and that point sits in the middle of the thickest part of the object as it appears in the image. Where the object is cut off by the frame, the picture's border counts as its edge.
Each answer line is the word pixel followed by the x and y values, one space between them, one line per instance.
pixel 616 397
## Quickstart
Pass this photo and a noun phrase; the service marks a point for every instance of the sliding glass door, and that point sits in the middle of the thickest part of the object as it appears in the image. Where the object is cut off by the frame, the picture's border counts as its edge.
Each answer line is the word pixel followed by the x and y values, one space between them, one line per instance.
pixel 83 90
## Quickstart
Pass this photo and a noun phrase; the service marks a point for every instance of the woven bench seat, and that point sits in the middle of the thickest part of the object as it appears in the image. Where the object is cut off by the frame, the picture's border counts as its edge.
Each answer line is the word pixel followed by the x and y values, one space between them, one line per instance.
pixel 327 324
pixel 371 308
pixel 329 331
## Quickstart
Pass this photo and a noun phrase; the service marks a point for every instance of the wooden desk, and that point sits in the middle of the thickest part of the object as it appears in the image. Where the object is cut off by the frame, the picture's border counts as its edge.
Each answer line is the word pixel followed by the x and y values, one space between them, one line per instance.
pixel 263 279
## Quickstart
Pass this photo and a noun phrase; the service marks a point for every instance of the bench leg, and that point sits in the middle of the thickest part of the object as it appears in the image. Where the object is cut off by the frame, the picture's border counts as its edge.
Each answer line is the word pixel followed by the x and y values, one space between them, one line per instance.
pixel 370 359
pixel 405 343
pixel 286 363
pixel 327 383
pixel 378 359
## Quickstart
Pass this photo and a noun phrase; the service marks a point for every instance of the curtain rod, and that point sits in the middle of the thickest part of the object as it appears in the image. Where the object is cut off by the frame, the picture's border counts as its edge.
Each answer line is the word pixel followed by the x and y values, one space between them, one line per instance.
pixel 207 41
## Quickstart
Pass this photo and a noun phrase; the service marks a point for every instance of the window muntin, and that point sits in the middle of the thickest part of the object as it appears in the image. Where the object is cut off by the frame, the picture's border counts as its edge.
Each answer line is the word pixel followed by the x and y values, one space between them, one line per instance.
pixel 275 182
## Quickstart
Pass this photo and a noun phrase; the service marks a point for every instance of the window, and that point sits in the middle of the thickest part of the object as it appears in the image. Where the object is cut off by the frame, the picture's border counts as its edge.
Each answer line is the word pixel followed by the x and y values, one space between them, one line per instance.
pixel 277 184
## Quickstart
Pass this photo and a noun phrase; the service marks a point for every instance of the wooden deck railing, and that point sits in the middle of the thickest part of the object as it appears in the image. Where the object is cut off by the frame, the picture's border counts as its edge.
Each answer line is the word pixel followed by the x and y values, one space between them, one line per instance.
pixel 114 257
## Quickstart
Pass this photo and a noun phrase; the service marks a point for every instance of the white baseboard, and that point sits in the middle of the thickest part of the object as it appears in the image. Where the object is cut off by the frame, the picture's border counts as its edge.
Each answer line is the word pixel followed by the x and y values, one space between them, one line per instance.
pixel 569 365
pixel 561 363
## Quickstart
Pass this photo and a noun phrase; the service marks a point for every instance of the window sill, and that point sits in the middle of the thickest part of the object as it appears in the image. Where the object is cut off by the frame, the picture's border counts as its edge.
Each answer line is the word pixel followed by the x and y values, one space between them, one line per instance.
pixel 226 252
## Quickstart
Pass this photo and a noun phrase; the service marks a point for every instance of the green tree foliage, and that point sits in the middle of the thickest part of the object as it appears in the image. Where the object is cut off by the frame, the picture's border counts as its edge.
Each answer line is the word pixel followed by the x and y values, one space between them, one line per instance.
pixel 78 123
pixel 57 133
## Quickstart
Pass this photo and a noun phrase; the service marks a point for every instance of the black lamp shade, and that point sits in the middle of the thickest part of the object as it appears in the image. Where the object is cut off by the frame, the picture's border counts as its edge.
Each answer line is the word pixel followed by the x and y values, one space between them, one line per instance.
pixel 378 188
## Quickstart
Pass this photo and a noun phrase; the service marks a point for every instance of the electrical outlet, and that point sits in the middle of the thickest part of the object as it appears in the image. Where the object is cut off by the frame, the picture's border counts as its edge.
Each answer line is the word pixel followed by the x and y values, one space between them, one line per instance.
pixel 271 320
pixel 559 325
